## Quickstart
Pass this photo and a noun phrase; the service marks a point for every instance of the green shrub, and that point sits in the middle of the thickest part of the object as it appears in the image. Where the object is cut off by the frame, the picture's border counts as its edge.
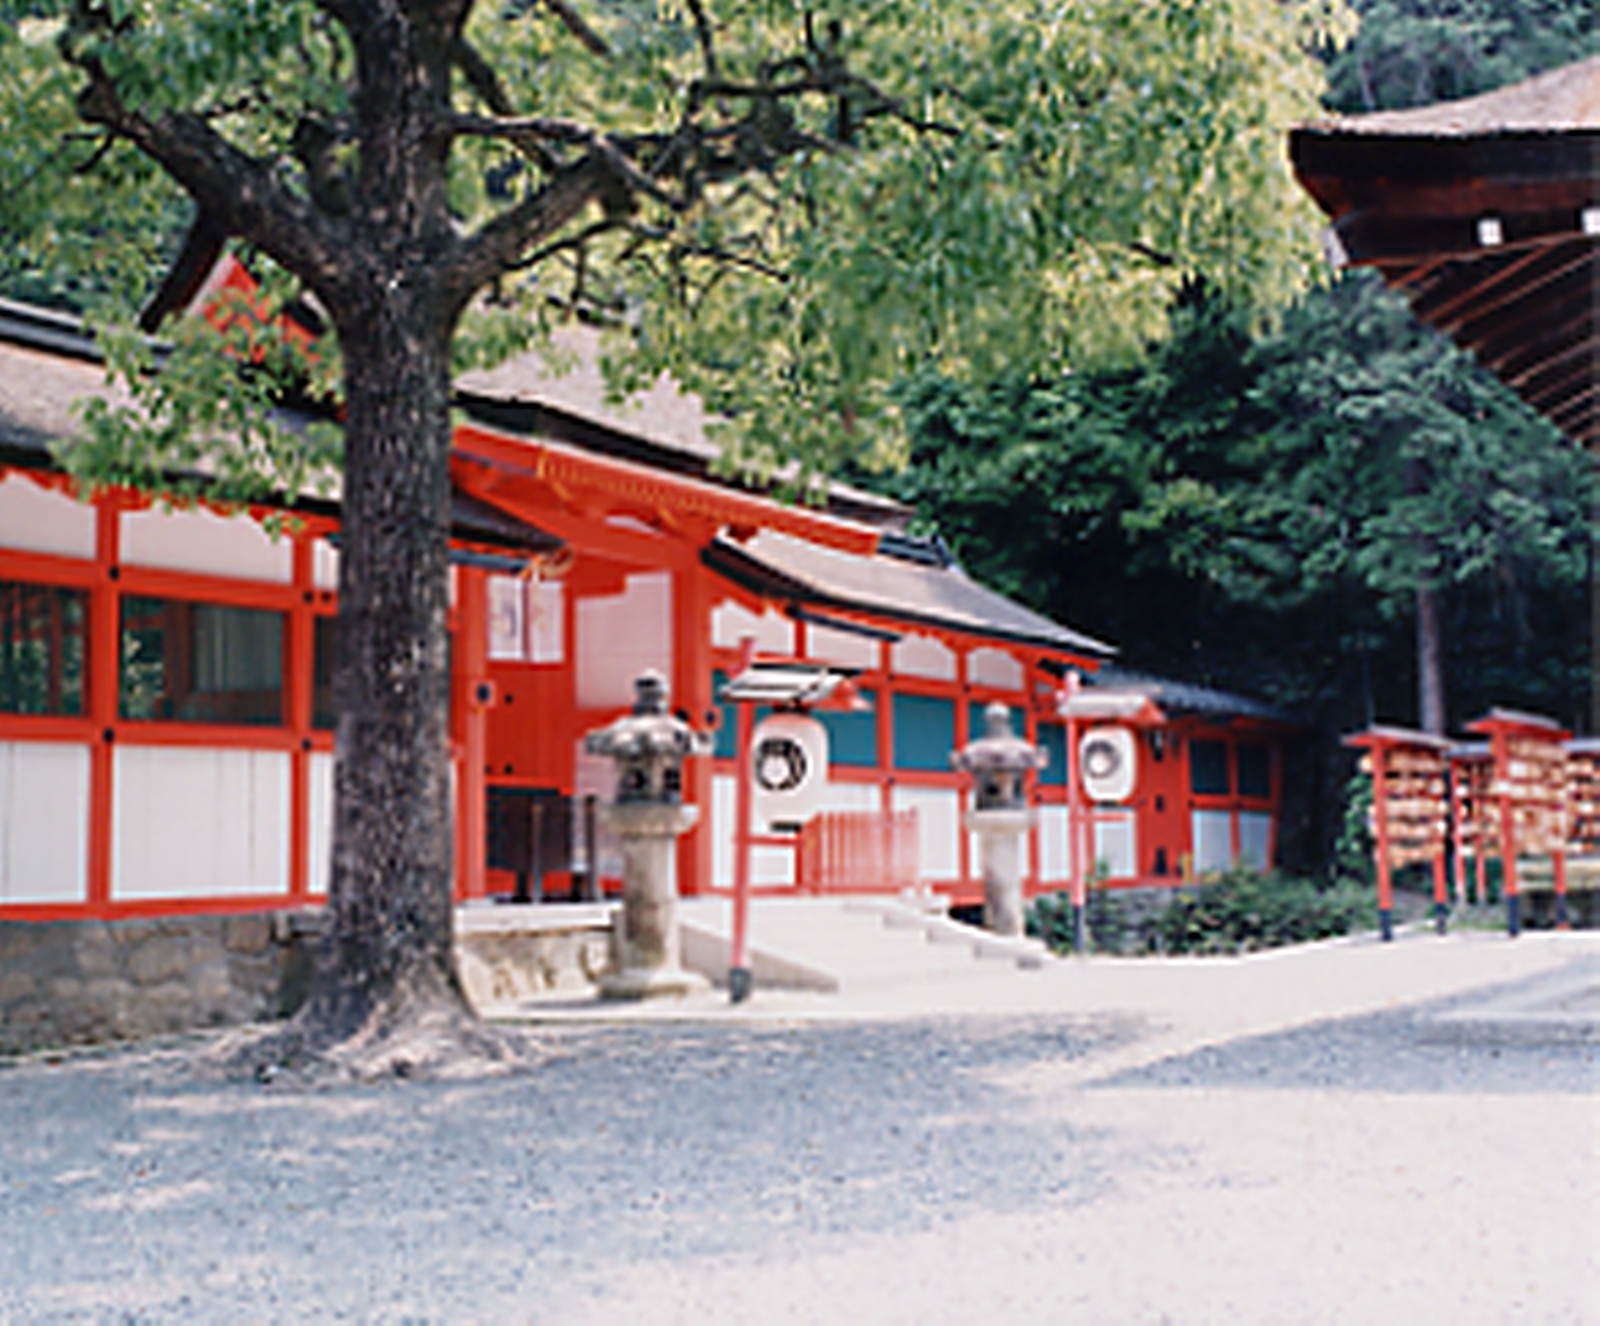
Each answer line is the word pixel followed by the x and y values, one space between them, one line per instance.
pixel 1237 912
pixel 1245 910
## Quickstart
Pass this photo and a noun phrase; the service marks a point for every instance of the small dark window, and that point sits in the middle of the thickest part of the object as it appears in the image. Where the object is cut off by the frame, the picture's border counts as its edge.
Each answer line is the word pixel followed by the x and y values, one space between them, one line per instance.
pixel 201 662
pixel 726 741
pixel 1208 768
pixel 42 629
pixel 325 653
pixel 1255 771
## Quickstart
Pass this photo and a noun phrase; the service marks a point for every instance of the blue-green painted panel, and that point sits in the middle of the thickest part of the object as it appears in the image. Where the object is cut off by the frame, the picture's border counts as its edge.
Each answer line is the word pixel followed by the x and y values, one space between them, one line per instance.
pixel 924 732
pixel 853 737
pixel 1053 737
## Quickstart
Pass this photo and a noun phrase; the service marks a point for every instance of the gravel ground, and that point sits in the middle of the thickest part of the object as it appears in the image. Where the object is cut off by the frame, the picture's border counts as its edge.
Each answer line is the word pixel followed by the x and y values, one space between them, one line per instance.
pixel 1395 1165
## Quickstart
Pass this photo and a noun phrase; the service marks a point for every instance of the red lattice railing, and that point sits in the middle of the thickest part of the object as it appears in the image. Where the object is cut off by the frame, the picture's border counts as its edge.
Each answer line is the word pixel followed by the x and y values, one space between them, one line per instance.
pixel 859 851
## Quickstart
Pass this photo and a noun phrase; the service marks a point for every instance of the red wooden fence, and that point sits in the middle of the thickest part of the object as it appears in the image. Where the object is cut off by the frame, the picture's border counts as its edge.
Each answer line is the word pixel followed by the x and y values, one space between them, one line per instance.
pixel 859 851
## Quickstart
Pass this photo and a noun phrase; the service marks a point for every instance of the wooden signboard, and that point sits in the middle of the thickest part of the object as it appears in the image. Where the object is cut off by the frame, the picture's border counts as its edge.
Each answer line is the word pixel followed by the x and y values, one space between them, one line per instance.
pixel 1530 787
pixel 1475 816
pixel 1410 810
pixel 1583 782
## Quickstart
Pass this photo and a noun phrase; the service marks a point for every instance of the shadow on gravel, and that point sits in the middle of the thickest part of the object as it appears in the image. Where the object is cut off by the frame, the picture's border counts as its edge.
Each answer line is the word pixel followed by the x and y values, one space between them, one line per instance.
pixel 128 1179
pixel 1537 1036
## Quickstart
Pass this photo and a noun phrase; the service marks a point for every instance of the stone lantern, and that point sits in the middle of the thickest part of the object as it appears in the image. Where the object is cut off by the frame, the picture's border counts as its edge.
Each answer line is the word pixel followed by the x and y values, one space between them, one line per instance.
pixel 649 747
pixel 999 762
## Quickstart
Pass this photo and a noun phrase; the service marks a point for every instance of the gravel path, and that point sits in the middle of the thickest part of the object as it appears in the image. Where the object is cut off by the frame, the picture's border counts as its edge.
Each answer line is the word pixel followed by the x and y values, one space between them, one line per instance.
pixel 1391 1166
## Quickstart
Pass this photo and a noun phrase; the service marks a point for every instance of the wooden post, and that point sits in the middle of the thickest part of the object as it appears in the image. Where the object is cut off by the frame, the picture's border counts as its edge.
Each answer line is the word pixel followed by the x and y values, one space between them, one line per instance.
pixel 739 978
pixel 1380 829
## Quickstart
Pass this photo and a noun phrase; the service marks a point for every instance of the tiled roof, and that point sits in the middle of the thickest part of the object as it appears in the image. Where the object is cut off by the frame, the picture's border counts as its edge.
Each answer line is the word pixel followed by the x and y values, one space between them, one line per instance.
pixel 893 587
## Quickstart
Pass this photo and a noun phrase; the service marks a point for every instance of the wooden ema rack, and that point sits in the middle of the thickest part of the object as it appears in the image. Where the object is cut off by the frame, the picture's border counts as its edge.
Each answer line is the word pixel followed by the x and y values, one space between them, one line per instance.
pixel 1410 810
pixel 1531 788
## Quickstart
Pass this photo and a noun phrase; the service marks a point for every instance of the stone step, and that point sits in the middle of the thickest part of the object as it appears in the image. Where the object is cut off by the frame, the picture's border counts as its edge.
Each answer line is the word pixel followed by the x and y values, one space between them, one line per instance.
pixel 847 944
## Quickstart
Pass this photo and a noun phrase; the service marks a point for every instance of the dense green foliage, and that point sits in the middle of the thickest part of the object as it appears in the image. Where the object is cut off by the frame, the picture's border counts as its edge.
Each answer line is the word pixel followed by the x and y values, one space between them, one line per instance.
pixel 1257 512
pixel 1266 510
pixel 1415 52
pixel 1239 912
pixel 993 185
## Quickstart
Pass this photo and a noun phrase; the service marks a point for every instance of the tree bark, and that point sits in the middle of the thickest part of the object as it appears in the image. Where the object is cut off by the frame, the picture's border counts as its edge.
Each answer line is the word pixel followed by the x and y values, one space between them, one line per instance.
pixel 1430 663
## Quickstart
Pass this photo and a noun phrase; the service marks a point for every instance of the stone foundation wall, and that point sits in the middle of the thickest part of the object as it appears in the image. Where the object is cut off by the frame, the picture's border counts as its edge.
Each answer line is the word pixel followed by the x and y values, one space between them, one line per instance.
pixel 82 982
pixel 87 982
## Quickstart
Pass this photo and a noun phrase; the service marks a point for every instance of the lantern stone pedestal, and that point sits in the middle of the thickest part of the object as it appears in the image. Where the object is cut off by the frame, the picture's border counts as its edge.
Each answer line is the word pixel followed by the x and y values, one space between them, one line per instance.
pixel 1000 863
pixel 999 762
pixel 646 943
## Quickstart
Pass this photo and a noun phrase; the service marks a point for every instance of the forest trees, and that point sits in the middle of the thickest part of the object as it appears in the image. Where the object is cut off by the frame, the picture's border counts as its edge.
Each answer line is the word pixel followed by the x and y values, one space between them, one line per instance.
pixel 786 208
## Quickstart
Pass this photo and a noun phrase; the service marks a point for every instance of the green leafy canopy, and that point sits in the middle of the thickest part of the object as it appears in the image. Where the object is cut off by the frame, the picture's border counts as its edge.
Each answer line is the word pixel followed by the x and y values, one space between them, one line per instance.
pixel 1006 184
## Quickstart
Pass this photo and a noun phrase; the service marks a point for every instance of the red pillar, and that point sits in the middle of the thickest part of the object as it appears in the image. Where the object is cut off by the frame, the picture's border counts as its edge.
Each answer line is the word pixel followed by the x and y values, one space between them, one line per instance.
pixel 474 699
pixel 104 631
pixel 1380 819
pixel 744 797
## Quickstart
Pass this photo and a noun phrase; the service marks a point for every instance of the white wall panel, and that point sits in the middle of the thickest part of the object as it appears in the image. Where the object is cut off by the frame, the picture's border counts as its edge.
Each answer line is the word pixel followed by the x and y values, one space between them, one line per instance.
pixel 621 635
pixel 922 656
pixel 192 822
pixel 1212 831
pixel 723 818
pixel 843 649
pixel 731 622
pixel 1053 844
pixel 319 836
pixel 938 828
pixel 1255 839
pixel 44 821
pixel 41 520
pixel 205 543
pixel 324 565
pixel 852 796
pixel 994 667
pixel 1116 846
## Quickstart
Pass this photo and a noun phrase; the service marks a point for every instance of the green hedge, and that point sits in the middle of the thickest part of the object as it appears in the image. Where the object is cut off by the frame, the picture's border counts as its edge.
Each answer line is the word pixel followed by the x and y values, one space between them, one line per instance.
pixel 1238 912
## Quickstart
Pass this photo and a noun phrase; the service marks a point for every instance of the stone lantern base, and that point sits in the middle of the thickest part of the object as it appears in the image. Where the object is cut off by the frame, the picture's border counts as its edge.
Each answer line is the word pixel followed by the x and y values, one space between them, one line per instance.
pixel 1000 862
pixel 647 946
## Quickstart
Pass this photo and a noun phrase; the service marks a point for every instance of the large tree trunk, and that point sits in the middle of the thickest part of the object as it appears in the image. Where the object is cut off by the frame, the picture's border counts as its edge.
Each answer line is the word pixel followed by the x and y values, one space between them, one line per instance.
pixel 386 998
pixel 1430 662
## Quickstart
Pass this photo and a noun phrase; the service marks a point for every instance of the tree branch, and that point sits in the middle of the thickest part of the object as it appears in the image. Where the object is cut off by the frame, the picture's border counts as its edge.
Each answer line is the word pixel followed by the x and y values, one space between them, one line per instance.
pixel 243 194
pixel 538 129
pixel 575 23
pixel 498 246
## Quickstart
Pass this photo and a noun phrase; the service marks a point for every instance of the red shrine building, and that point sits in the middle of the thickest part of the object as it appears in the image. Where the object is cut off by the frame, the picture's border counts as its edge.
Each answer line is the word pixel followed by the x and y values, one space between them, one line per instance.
pixel 166 743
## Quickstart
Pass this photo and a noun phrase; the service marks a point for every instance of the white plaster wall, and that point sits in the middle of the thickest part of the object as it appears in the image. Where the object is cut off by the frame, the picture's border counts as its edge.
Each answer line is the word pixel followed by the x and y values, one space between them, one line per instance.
pixel 1116 845
pixel 720 824
pixel 994 667
pixel 205 543
pixel 44 821
pixel 1255 838
pixel 193 822
pixel 852 796
pixel 731 622
pixel 319 837
pixel 922 656
pixel 324 565
pixel 35 519
pixel 1213 840
pixel 1053 858
pixel 843 649
pixel 770 867
pixel 938 828
pixel 621 635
